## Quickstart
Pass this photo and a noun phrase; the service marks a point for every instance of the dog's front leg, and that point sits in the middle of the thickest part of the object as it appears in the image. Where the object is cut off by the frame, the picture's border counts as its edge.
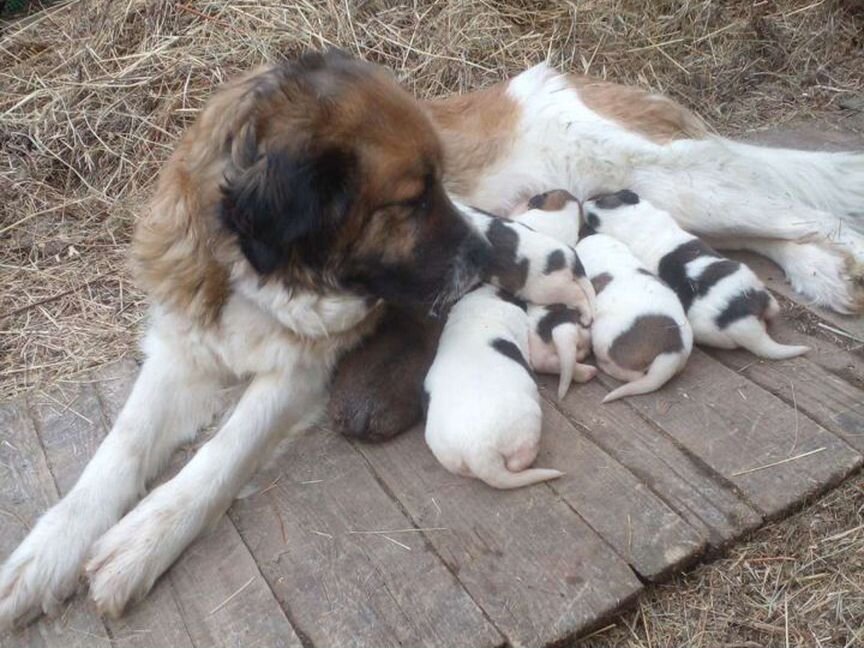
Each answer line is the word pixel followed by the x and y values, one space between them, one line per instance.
pixel 172 398
pixel 128 559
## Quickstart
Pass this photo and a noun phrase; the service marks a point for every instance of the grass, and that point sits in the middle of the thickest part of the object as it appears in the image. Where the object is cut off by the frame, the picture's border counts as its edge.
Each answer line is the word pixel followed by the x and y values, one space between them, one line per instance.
pixel 94 94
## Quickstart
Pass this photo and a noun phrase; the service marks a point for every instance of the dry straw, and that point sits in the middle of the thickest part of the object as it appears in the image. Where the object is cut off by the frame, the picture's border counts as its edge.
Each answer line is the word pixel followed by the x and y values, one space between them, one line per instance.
pixel 94 94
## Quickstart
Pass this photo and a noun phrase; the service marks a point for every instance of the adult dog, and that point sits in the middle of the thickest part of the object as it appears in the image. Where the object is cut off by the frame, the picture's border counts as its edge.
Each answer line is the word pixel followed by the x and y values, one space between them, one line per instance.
pixel 309 192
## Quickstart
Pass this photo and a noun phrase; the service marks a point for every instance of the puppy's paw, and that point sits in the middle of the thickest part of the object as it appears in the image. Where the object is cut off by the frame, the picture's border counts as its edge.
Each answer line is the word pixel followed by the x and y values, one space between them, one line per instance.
pixel 43 571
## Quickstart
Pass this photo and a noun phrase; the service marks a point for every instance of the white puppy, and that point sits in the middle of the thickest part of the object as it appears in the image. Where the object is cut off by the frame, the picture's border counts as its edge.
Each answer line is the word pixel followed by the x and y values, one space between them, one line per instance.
pixel 640 332
pixel 726 304
pixel 483 415
pixel 558 342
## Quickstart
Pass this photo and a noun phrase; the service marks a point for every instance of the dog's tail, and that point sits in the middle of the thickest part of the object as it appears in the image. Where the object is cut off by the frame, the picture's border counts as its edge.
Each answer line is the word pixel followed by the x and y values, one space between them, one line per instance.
pixel 751 334
pixel 492 469
pixel 662 369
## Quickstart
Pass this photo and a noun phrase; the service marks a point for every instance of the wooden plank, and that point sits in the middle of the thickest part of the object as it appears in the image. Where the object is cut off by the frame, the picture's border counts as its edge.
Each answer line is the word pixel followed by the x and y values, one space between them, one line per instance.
pixel 27 490
pixel 704 500
pixel 537 569
pixel 827 383
pixel 641 528
pixel 71 426
pixel 830 401
pixel 320 537
pixel 217 588
pixel 224 599
pixel 833 350
pixel 776 456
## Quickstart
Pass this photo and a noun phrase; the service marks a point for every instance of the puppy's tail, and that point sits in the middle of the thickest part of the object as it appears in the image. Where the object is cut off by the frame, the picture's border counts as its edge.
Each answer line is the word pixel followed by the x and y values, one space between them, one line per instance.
pixel 752 335
pixel 659 373
pixel 565 339
pixel 493 470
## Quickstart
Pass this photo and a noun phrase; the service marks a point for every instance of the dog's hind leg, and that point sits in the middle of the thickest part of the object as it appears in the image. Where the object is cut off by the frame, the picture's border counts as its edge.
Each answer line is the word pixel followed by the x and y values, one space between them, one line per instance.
pixel 129 558
pixel 171 399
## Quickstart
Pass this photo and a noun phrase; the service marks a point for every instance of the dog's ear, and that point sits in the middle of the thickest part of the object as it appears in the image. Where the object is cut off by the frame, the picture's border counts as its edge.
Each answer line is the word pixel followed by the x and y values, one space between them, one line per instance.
pixel 282 199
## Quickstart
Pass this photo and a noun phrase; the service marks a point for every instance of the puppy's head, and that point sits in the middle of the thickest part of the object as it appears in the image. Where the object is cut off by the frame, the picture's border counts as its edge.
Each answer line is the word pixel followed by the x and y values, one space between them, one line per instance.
pixel 552 201
pixel 621 215
pixel 334 175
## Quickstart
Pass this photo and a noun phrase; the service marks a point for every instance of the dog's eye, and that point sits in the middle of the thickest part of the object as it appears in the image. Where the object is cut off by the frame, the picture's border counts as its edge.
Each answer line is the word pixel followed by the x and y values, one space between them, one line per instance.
pixel 420 203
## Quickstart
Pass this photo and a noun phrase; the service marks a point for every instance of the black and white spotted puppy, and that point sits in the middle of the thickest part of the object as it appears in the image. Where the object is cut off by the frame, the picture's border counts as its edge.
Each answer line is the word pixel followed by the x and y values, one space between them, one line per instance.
pixel 640 332
pixel 556 213
pixel 483 415
pixel 726 303
pixel 531 265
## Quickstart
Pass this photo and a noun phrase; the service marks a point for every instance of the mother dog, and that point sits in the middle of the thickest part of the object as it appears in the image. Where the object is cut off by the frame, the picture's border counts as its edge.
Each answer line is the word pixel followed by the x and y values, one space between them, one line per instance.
pixel 310 191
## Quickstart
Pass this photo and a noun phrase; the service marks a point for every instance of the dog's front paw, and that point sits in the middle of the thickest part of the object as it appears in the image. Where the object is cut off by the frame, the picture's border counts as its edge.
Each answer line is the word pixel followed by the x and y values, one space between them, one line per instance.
pixel 43 571
pixel 128 559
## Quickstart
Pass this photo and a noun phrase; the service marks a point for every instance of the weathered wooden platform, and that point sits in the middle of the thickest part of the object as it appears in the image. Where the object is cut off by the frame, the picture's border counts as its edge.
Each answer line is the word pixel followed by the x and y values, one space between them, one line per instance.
pixel 360 545
pixel 376 546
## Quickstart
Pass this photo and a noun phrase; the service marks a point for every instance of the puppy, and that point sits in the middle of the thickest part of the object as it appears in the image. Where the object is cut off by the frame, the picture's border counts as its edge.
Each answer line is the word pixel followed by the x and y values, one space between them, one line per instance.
pixel 555 213
pixel 726 304
pixel 531 265
pixel 483 418
pixel 640 332
pixel 558 342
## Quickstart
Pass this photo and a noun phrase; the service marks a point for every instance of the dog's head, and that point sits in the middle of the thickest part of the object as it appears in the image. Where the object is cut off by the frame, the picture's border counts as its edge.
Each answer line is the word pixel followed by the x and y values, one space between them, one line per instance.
pixel 334 173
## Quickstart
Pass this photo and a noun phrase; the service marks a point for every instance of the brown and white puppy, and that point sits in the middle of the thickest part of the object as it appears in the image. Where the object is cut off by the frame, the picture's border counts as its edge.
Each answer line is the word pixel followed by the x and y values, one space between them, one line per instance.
pixel 555 213
pixel 640 332
pixel 305 193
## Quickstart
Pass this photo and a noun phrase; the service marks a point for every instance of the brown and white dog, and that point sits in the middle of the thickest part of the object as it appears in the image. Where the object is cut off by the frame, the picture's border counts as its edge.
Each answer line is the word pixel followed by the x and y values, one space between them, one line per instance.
pixel 308 191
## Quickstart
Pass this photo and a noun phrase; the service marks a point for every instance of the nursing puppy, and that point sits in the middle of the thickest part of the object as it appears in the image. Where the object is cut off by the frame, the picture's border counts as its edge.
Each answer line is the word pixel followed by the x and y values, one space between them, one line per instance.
pixel 725 302
pixel 557 339
pixel 531 265
pixel 483 418
pixel 556 213
pixel 558 342
pixel 640 332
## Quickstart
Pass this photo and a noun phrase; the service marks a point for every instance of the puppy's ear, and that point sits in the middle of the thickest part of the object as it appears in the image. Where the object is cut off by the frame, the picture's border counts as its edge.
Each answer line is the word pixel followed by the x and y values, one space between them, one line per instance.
pixel 283 199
